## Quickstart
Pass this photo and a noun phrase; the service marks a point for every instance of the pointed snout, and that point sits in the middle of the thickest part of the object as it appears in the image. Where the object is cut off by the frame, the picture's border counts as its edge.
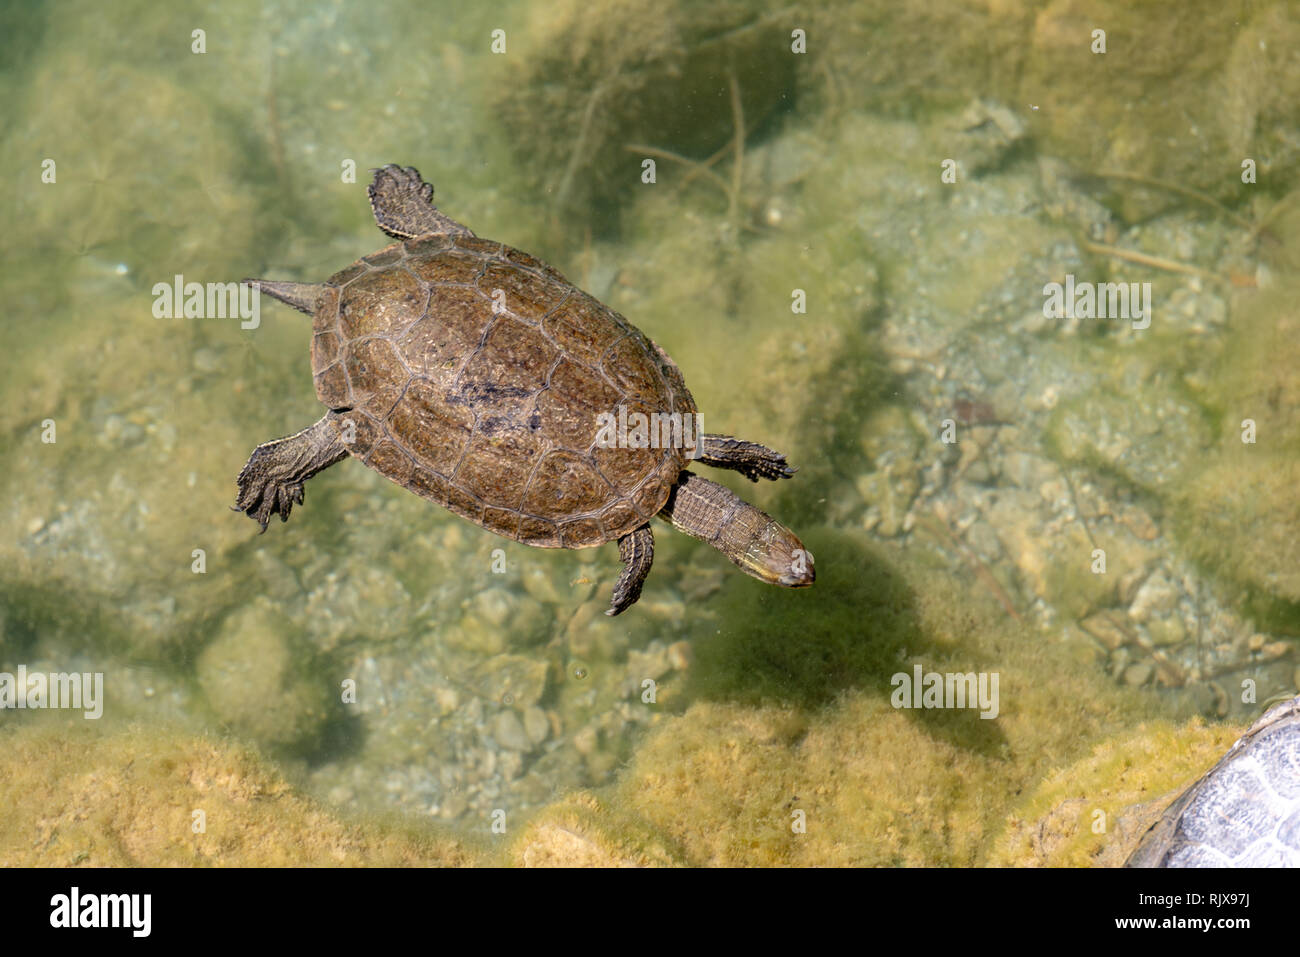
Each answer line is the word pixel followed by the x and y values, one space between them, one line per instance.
pixel 779 558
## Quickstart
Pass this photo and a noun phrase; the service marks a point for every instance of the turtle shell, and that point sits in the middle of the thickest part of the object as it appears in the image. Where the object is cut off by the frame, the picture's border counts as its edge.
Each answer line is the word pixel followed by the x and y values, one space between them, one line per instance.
pixel 473 375
pixel 1244 812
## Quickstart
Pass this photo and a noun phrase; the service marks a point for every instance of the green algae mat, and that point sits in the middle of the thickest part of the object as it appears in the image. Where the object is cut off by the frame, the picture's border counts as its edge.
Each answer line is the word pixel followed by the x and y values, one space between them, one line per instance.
pixel 1011 288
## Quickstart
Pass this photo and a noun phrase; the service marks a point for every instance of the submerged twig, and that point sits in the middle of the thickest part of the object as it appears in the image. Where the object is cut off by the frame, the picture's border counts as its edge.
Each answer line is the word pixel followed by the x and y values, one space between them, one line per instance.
pixel 982 571
pixel 734 190
pixel 1182 190
pixel 579 151
pixel 1155 262
pixel 697 168
pixel 738 143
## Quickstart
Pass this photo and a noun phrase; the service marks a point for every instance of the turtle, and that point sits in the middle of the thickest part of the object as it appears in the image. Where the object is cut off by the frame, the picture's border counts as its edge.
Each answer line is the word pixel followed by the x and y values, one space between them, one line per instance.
pixel 478 377
pixel 1244 812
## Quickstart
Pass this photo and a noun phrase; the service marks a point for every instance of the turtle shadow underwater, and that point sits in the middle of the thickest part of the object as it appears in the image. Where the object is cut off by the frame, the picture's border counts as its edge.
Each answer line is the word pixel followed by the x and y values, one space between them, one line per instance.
pixel 865 628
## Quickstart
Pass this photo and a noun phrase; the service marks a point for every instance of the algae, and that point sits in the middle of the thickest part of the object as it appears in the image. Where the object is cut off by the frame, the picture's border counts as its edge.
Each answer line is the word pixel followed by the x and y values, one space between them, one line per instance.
pixel 491 681
pixel 592 80
pixel 1239 509
pixel 1095 811
pixel 150 796
pixel 792 713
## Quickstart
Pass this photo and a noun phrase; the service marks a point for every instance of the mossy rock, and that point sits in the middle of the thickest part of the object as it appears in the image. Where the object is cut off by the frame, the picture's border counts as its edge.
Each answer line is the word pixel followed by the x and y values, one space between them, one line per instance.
pixel 940 53
pixel 1242 520
pixel 1093 813
pixel 112 201
pixel 259 680
pixel 1230 88
pixel 1238 509
pixel 72 796
pixel 582 831
pixel 792 751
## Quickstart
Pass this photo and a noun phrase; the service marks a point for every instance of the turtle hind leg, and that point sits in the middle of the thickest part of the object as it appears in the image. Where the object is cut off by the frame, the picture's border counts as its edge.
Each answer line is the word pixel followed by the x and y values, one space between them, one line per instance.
pixel 750 459
pixel 636 550
pixel 271 482
pixel 403 205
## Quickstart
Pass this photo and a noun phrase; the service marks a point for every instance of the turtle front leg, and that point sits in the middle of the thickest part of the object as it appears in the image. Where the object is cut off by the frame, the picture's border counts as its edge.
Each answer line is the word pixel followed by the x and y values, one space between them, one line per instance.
pixel 403 205
pixel 271 482
pixel 750 459
pixel 636 550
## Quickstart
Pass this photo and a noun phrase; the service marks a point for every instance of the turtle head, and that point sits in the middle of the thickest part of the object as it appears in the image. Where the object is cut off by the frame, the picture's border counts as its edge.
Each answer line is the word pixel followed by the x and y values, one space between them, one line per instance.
pixel 777 557
pixel 754 540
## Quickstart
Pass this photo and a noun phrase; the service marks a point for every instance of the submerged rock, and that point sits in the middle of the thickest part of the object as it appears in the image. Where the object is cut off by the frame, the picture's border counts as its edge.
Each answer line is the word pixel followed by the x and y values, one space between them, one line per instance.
pixel 151 797
pixel 259 680
pixel 1229 87
pixel 583 831
pixel 1093 813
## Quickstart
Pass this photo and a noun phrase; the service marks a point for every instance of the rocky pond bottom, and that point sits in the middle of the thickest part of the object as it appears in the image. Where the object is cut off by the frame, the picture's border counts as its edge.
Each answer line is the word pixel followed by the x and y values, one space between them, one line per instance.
pixel 1099 511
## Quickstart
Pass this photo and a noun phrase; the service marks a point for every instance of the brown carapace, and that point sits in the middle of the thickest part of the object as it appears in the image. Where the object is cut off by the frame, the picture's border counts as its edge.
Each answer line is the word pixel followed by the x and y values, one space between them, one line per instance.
pixel 481 379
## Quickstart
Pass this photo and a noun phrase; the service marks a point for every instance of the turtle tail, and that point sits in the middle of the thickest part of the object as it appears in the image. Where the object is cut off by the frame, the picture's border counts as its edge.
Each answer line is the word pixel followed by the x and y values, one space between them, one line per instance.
pixel 303 296
pixel 751 538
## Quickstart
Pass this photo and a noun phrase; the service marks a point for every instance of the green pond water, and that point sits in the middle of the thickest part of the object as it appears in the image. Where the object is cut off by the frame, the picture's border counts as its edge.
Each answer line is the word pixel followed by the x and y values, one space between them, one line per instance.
pixel 843 222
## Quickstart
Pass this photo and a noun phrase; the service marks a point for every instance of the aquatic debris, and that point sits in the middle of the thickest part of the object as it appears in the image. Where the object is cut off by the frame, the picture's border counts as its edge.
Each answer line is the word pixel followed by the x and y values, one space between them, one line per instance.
pixel 595 77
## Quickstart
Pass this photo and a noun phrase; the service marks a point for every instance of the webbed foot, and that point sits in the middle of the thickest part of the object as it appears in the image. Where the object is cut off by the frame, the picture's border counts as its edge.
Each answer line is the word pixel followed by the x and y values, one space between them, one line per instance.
pixel 750 459
pixel 271 483
pixel 403 205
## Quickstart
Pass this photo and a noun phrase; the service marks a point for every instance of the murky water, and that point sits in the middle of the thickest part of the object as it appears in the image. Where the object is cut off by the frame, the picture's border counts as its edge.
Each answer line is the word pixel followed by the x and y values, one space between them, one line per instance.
pixel 1019 311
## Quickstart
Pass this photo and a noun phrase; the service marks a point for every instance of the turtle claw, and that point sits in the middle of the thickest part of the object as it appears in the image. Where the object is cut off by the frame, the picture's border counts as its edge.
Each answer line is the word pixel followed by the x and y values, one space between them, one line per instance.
pixel 772 469
pixel 262 496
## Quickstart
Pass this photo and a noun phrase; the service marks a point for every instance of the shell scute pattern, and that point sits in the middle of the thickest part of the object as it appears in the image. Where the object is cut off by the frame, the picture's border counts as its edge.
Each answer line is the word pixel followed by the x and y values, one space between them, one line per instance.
pixel 473 375
pixel 1244 812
